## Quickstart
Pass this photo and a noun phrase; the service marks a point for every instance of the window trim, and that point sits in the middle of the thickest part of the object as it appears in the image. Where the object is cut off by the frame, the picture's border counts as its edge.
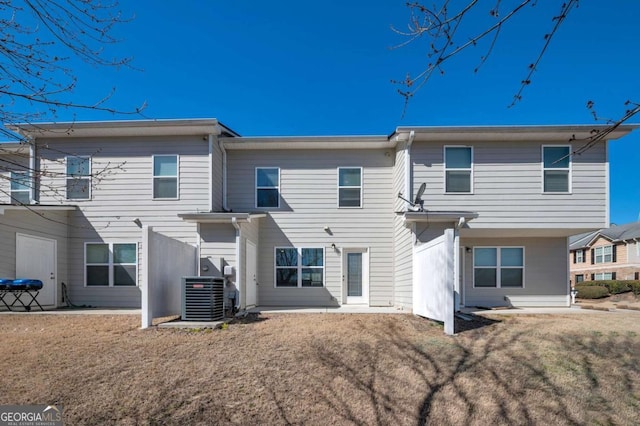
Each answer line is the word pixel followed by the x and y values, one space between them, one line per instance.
pixel 569 170
pixel 29 191
pixel 277 206
pixel 602 274
pixel 603 254
pixel 154 177
pixel 87 177
pixel 470 169
pixel 361 188
pixel 299 267
pixel 580 257
pixel 499 266
pixel 111 264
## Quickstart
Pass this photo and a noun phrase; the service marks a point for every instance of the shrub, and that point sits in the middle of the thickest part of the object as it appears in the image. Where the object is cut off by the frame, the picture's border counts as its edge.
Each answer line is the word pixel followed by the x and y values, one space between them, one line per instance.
pixel 635 287
pixel 592 291
pixel 614 286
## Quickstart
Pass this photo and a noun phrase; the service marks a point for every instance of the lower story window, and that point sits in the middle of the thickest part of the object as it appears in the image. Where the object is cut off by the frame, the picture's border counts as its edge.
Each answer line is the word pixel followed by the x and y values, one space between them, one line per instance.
pixel 299 267
pixel 111 264
pixel 498 267
pixel 579 278
pixel 603 276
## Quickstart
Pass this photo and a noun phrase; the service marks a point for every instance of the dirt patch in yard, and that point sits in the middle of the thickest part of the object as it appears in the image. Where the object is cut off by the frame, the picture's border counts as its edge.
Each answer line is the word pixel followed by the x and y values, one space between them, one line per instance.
pixel 327 369
pixel 626 300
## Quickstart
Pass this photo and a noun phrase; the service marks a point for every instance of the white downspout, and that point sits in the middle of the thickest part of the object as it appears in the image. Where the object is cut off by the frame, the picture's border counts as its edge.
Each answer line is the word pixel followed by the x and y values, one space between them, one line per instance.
pixel 224 175
pixel 407 170
pixel 33 195
pixel 234 222
pixel 210 173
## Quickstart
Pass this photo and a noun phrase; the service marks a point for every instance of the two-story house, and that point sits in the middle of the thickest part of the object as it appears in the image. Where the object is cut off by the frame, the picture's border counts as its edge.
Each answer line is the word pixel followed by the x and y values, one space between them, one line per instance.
pixel 606 254
pixel 303 221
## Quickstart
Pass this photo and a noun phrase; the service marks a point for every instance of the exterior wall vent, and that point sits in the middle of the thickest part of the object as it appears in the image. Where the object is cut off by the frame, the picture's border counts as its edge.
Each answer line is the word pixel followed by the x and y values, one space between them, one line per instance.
pixel 202 298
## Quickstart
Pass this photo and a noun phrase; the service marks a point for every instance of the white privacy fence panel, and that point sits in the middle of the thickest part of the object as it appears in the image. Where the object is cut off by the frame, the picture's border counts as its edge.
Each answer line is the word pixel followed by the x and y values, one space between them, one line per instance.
pixel 433 279
pixel 165 261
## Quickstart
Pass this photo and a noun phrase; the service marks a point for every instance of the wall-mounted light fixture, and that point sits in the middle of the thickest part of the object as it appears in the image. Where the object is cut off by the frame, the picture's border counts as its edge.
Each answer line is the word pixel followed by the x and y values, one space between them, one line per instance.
pixel 137 222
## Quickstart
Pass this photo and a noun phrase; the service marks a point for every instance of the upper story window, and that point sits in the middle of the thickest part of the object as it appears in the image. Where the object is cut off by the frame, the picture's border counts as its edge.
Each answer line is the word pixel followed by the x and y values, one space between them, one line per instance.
pixel 604 254
pixel 299 267
pixel 20 187
pixel 458 166
pixel 498 267
pixel 556 168
pixel 165 177
pixel 267 187
pixel 578 256
pixel 78 178
pixel 349 187
pixel 111 264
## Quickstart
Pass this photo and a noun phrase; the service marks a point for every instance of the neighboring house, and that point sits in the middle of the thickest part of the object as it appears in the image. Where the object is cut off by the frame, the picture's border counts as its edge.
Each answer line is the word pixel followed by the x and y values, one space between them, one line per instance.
pixel 307 221
pixel 606 254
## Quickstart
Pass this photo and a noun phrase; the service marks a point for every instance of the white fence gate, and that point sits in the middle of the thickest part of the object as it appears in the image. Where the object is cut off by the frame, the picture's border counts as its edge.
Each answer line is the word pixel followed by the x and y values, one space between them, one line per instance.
pixel 433 280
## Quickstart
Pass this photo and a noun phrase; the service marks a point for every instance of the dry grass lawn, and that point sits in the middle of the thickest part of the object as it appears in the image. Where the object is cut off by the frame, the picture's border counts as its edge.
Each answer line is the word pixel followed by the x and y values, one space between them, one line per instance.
pixel 327 369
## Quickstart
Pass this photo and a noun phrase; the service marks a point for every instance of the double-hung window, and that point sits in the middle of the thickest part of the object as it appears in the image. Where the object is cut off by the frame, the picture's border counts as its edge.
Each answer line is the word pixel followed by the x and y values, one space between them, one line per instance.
pixel 349 187
pixel 299 267
pixel 267 187
pixel 579 256
pixel 603 254
pixel 498 267
pixel 556 168
pixel 603 276
pixel 20 187
pixel 165 177
pixel 458 169
pixel 78 178
pixel 111 264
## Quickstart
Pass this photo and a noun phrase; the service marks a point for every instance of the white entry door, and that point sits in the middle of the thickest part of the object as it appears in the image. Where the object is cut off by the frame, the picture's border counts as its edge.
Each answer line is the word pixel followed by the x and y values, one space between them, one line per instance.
pixel 355 275
pixel 36 259
pixel 250 271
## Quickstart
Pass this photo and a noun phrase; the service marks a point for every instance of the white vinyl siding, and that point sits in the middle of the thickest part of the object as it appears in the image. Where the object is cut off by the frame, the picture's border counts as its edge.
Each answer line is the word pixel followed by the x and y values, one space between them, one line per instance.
pixel 546 275
pixel 267 187
pixel 78 176
pixel 125 194
pixel 349 186
pixel 166 172
pixel 556 168
pixel 308 206
pixel 498 267
pixel 20 187
pixel 111 264
pixel 507 171
pixel 458 161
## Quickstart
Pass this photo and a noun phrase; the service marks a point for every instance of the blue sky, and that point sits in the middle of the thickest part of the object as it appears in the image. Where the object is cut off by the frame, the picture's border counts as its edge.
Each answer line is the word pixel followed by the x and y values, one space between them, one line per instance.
pixel 320 68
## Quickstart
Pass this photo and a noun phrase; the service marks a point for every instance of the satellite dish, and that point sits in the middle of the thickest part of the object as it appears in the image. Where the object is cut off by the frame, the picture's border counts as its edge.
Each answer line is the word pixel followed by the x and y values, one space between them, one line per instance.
pixel 419 194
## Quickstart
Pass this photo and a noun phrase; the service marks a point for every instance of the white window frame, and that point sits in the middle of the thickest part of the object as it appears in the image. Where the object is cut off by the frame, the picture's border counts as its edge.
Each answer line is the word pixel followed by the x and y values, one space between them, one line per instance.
pixel 111 264
pixel 154 177
pixel 83 177
pixel 603 255
pixel 13 178
pixel 568 169
pixel 602 276
pixel 361 187
pixel 470 169
pixel 299 266
pixel 580 256
pixel 499 266
pixel 257 188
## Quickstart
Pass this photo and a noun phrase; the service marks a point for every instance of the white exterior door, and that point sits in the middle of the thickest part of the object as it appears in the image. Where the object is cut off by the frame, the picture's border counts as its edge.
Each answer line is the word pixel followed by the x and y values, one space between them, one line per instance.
pixel 250 270
pixel 36 259
pixel 355 275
